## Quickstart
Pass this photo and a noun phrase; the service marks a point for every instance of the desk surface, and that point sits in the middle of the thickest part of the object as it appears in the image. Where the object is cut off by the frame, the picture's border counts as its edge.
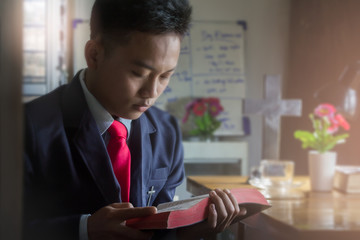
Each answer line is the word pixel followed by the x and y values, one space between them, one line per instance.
pixel 333 215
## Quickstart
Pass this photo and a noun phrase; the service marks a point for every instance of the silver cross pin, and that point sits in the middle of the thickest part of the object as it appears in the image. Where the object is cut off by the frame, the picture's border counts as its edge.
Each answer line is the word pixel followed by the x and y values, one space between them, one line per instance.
pixel 150 193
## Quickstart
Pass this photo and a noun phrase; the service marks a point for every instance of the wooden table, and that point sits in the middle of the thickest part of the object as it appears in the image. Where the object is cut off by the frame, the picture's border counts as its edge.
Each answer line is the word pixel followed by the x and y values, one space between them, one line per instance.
pixel 316 215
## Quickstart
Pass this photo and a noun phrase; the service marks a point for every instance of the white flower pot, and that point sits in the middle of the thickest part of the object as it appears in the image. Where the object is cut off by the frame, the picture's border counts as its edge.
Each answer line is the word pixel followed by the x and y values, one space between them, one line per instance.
pixel 321 170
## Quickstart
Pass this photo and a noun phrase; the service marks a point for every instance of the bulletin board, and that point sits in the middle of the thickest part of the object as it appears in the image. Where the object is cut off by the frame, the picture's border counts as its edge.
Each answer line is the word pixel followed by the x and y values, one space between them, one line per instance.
pixel 212 64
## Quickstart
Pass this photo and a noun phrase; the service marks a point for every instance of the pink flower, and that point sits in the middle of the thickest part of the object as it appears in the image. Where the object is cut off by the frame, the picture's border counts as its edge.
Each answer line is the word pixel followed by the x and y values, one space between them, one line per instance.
pixel 214 106
pixel 334 125
pixel 199 108
pixel 336 121
pixel 325 109
pixel 186 117
pixel 341 121
pixel 188 109
pixel 214 110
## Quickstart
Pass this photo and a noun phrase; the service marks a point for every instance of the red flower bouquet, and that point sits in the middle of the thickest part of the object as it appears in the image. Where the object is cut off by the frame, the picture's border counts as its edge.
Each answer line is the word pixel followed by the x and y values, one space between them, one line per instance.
pixel 204 112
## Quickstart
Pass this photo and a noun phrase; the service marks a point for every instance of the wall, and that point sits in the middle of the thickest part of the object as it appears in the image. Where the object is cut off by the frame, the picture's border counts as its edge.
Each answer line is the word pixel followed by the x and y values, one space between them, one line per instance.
pixel 324 38
pixel 266 44
pixel 10 119
pixel 266 47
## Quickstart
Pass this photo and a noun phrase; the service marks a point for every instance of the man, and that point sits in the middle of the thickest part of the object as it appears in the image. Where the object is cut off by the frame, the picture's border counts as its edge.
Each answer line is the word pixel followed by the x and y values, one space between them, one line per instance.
pixel 72 190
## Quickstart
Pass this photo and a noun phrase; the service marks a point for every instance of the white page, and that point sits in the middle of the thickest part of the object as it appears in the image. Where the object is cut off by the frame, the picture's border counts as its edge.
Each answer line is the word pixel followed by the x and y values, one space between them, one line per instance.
pixel 180 205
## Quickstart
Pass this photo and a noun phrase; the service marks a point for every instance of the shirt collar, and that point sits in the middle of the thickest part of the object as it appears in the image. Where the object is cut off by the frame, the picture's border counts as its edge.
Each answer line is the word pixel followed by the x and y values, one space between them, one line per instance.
pixel 102 117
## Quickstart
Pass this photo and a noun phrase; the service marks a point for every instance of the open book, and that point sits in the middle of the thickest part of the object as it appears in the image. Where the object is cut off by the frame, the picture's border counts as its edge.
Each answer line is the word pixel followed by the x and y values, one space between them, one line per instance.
pixel 193 210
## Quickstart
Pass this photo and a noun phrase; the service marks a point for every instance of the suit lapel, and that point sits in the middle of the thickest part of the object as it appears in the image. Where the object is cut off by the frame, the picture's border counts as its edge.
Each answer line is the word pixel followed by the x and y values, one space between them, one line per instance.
pixel 97 161
pixel 82 130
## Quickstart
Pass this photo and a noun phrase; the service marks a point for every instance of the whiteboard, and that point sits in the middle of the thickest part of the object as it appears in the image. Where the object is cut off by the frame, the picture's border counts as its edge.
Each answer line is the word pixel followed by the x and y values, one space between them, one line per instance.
pixel 212 64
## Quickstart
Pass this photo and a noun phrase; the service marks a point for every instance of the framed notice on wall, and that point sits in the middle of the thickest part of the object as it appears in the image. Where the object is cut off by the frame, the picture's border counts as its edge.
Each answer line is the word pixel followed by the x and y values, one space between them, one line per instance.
pixel 212 64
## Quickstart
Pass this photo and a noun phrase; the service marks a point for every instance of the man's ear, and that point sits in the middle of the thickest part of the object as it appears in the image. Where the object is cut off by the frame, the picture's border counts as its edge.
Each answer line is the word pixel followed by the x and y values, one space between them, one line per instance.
pixel 93 51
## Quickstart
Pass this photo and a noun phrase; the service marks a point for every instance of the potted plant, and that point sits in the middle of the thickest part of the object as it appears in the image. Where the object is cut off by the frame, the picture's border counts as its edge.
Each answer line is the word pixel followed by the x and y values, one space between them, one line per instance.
pixel 202 112
pixel 326 123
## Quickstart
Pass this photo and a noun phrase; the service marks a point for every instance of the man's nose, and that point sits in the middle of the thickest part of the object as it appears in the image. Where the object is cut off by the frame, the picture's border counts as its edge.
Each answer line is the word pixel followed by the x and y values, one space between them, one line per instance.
pixel 150 88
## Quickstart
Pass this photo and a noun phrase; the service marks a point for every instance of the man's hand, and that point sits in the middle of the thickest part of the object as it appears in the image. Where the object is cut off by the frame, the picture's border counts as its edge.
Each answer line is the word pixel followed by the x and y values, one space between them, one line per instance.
pixel 109 222
pixel 223 211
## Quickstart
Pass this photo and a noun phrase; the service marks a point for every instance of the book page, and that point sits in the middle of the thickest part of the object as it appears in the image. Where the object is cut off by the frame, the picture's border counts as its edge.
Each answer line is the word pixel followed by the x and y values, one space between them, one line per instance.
pixel 181 204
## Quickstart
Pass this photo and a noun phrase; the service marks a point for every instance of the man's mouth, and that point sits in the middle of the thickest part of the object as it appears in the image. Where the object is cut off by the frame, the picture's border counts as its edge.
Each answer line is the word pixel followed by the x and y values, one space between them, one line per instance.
pixel 142 107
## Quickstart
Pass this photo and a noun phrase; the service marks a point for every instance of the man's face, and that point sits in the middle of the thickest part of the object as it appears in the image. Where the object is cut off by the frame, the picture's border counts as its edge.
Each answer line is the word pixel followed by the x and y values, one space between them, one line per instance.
pixel 129 80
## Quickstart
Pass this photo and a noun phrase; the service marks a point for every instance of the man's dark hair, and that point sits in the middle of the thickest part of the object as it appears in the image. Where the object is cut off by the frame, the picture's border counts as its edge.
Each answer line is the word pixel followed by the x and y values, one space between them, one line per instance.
pixel 116 19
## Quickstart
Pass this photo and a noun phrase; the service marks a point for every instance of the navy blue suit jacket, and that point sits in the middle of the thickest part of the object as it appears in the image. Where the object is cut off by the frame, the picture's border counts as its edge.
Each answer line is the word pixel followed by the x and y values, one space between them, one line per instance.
pixel 68 171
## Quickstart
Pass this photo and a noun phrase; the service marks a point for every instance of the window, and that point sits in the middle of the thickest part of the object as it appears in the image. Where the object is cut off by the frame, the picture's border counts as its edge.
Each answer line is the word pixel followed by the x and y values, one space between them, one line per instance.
pixel 44 52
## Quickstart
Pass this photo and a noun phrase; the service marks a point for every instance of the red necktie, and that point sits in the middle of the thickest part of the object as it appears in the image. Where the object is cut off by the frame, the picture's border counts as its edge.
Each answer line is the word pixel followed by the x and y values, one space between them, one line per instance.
pixel 120 157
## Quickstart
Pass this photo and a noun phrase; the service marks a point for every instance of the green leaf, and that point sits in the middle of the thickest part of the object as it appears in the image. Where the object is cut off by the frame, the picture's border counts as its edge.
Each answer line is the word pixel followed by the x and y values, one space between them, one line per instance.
pixel 199 123
pixel 304 135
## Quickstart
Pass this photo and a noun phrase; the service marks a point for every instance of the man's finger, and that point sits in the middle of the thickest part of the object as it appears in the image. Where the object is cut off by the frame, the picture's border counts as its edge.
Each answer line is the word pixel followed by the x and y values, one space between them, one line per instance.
pixel 121 205
pixel 220 210
pixel 212 217
pixel 227 206
pixel 123 214
pixel 235 204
